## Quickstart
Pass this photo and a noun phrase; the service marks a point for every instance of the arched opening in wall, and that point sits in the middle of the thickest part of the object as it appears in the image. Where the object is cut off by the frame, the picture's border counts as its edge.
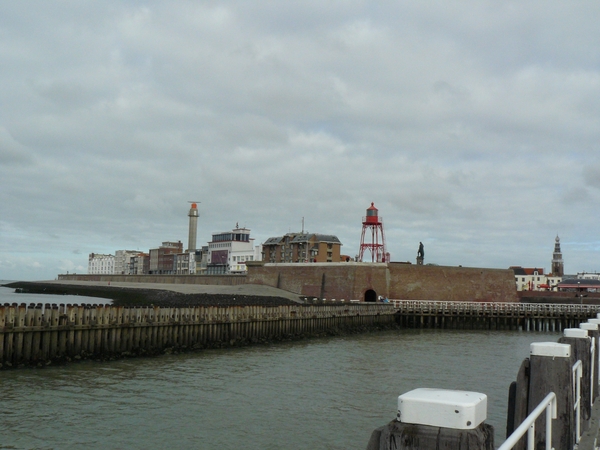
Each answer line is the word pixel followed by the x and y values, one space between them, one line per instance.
pixel 370 296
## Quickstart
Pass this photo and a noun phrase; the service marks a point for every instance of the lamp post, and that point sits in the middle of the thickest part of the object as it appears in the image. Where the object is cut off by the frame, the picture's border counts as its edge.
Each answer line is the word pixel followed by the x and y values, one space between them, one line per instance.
pixel 579 291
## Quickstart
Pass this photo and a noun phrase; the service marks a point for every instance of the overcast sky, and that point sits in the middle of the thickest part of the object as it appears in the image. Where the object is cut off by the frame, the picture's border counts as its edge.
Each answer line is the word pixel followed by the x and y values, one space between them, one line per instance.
pixel 474 126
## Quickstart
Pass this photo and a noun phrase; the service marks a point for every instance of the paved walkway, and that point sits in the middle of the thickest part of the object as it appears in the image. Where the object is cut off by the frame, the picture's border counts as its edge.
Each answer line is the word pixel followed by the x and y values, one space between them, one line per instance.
pixel 591 437
pixel 242 289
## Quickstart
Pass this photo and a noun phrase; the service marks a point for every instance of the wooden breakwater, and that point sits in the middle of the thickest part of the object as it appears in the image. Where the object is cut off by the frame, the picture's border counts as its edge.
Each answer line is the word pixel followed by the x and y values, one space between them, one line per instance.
pixel 491 316
pixel 38 334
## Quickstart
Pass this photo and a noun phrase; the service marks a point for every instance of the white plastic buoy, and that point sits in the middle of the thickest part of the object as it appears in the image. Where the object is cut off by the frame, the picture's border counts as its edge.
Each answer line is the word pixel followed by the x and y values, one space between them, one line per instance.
pixel 462 410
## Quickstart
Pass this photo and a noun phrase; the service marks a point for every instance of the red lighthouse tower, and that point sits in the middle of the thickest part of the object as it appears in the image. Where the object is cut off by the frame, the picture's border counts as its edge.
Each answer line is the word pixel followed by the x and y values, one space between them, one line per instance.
pixel 373 224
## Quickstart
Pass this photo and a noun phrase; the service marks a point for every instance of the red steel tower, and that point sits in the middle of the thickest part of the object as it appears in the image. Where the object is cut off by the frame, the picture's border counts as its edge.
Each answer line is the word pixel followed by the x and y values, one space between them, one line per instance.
pixel 374 224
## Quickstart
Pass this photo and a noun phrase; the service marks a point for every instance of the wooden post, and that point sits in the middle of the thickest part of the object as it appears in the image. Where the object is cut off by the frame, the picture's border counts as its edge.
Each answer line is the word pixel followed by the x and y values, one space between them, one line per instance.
pixel 436 419
pixel 2 325
pixel 551 371
pixel 54 319
pixel 84 330
pixel 78 328
pixel 581 345
pixel 20 325
pixel 36 350
pixel 517 410
pixel 46 334
pixel 593 332
pixel 28 324
pixel 8 341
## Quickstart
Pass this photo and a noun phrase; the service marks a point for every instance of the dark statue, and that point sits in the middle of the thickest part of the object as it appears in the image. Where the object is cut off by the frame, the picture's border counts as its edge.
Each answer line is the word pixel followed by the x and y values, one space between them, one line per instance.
pixel 421 252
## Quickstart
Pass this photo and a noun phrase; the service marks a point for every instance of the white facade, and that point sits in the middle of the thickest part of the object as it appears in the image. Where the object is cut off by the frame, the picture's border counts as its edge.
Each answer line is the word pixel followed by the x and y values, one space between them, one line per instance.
pixel 588 276
pixel 229 251
pixel 536 282
pixel 123 261
pixel 101 264
pixel 185 263
pixel 240 255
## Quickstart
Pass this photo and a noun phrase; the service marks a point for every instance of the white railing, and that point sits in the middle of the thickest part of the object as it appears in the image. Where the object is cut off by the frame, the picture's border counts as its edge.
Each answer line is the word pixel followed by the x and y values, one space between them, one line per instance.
pixel 528 425
pixel 592 370
pixel 577 373
pixel 493 307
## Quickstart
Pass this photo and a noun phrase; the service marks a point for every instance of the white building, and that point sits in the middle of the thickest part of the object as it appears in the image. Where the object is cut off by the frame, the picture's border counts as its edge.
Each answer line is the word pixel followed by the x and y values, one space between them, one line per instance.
pixel 123 261
pixel 588 276
pixel 229 251
pixel 534 279
pixel 101 264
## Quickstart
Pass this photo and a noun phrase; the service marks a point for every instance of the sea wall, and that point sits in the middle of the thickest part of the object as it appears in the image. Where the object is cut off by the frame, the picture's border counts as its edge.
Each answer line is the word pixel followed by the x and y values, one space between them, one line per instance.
pixel 355 281
pixel 40 335
pixel 367 281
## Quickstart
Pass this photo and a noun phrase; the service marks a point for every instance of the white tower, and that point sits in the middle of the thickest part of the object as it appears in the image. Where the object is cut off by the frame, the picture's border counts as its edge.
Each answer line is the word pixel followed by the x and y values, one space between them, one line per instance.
pixel 193 215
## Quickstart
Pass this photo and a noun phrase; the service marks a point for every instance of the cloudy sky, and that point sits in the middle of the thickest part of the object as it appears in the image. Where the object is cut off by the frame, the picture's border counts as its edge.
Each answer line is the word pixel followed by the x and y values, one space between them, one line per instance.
pixel 474 126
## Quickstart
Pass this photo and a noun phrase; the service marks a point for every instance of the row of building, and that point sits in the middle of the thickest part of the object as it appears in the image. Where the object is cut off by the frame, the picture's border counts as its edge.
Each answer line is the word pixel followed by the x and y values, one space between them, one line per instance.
pixel 226 253
pixel 534 278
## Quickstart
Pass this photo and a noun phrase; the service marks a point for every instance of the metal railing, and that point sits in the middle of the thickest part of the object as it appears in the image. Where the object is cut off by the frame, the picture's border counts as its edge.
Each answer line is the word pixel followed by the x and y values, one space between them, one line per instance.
pixel 592 370
pixel 493 307
pixel 528 425
pixel 577 373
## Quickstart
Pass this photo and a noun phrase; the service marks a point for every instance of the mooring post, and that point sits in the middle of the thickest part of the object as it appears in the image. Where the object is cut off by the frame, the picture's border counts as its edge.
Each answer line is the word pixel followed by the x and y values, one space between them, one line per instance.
pixel 593 333
pixel 435 419
pixel 551 371
pixel 518 406
pixel 581 346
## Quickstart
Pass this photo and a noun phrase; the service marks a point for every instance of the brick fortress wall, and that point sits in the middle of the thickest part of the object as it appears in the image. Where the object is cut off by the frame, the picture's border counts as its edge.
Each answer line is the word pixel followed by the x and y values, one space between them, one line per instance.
pixel 393 280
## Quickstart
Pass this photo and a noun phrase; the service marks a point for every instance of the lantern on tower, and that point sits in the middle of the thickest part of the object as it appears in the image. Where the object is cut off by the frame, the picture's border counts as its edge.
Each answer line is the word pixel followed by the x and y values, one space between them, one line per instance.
pixel 373 229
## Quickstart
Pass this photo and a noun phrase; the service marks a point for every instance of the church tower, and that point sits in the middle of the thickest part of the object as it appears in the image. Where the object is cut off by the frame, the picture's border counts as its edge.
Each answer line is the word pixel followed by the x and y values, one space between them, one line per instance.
pixel 558 268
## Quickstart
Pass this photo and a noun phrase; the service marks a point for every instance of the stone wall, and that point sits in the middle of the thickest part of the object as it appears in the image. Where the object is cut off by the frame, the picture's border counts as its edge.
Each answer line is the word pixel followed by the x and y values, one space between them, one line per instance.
pixel 355 281
pixel 352 281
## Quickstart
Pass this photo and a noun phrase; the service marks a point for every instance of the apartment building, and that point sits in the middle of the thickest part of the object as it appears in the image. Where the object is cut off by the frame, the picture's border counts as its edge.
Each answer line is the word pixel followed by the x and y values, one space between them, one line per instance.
pixel 302 247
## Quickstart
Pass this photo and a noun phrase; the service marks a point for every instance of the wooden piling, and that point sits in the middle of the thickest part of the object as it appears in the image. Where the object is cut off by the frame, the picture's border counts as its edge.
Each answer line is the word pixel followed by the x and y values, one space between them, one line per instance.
pixel 551 371
pixel 581 351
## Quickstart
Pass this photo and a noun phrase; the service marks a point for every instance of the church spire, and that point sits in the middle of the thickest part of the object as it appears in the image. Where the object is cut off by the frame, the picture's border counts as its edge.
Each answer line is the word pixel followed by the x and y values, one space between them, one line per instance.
pixel 558 268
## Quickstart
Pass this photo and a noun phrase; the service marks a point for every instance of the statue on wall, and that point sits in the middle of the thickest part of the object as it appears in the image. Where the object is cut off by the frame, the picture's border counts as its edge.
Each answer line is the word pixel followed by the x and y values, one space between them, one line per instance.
pixel 421 252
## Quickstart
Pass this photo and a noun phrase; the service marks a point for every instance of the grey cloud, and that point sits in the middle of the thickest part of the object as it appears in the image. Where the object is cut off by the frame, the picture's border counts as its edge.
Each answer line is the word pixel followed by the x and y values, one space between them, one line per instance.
pixel 472 126
pixel 591 175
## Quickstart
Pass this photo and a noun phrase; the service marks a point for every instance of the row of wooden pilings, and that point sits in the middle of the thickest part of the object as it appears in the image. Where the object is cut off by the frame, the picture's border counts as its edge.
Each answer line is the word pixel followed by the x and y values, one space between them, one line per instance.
pixel 491 316
pixel 38 334
pixel 550 405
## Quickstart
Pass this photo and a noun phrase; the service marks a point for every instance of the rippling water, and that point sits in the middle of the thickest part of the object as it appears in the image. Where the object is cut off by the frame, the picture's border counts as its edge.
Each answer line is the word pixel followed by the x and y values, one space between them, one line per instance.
pixel 315 394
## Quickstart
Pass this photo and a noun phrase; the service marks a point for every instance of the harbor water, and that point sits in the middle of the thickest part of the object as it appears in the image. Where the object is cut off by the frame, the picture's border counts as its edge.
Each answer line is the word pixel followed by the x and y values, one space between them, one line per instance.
pixel 327 393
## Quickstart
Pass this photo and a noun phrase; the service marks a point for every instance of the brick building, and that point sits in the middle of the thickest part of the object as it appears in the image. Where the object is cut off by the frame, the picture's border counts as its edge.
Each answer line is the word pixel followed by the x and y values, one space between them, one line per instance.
pixel 302 247
pixel 162 259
